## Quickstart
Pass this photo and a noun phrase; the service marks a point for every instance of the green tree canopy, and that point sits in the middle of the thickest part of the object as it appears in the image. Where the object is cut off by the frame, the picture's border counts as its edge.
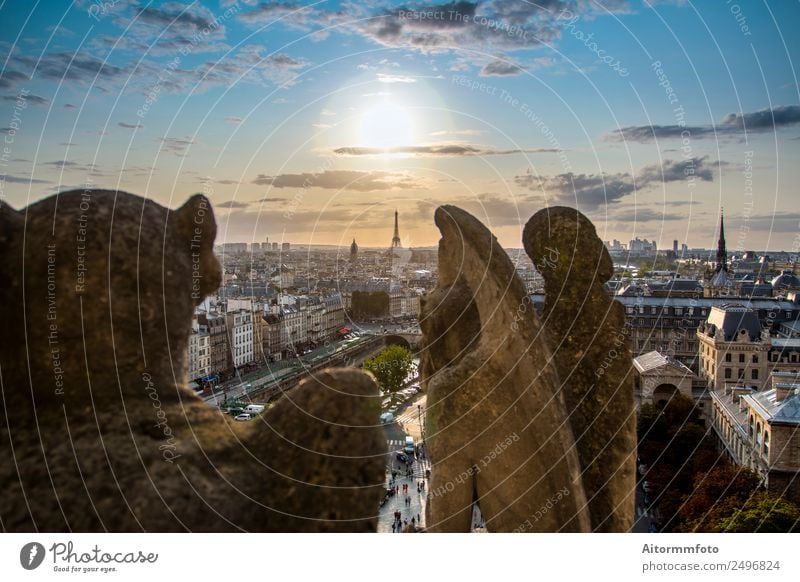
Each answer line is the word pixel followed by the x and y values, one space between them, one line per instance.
pixel 763 512
pixel 390 367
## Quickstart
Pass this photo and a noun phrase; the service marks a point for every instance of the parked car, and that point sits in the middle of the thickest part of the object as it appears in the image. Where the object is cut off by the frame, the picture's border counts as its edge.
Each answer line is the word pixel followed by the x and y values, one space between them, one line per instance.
pixel 402 457
pixel 243 416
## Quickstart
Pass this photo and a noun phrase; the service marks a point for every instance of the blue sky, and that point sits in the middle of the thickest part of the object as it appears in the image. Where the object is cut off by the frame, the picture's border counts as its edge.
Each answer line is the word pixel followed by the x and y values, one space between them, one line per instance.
pixel 312 122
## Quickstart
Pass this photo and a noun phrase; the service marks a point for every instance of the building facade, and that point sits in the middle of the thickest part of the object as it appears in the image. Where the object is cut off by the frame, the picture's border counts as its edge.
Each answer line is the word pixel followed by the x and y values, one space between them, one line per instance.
pixel 240 336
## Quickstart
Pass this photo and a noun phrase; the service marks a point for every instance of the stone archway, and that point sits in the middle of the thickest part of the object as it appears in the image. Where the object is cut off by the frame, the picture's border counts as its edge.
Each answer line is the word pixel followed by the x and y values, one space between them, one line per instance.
pixel 663 393
pixel 397 340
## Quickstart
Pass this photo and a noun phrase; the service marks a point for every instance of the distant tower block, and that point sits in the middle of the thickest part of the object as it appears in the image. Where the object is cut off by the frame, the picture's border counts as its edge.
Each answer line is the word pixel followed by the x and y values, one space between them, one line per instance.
pixel 396 237
pixel 353 251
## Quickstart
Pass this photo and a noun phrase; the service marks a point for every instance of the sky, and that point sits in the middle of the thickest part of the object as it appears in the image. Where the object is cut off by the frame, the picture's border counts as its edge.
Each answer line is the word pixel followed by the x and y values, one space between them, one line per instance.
pixel 311 123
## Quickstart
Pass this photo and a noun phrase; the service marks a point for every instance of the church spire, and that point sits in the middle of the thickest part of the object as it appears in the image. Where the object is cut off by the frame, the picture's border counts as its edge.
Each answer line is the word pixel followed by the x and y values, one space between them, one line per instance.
pixel 722 253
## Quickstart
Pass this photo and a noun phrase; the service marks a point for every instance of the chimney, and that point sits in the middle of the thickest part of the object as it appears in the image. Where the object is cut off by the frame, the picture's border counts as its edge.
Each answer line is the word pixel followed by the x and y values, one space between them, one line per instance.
pixel 783 391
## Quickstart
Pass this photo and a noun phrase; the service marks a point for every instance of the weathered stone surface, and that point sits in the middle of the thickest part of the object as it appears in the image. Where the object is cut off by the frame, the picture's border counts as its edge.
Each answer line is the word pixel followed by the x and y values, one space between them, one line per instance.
pixel 100 432
pixel 496 426
pixel 586 331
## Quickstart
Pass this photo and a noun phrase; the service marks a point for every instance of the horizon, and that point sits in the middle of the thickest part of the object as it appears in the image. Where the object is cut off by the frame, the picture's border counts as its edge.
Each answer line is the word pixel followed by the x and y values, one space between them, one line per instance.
pixel 312 123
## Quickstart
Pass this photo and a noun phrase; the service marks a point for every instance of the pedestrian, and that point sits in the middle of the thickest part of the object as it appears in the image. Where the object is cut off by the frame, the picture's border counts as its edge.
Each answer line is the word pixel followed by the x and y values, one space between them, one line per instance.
pixel 418 519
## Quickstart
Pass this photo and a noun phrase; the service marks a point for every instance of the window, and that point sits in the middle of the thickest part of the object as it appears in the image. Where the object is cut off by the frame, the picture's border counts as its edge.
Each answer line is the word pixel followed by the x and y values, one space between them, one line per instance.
pixel 752 423
pixel 727 357
pixel 741 358
pixel 679 311
pixel 754 374
pixel 653 310
pixel 727 373
pixel 755 358
pixel 741 374
pixel 758 433
pixel 766 444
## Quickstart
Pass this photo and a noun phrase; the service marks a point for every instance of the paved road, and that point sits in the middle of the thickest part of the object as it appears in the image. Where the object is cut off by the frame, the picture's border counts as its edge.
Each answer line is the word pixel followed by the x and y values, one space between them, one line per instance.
pixel 643 518
pixel 415 509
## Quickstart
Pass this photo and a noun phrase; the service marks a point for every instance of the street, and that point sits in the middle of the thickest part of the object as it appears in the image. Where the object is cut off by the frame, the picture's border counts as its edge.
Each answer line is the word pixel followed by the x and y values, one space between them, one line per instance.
pixel 406 424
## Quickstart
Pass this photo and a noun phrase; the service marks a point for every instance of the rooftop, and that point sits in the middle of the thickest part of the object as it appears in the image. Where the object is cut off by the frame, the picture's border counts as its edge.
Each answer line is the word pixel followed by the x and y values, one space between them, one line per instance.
pixel 654 360
pixel 786 411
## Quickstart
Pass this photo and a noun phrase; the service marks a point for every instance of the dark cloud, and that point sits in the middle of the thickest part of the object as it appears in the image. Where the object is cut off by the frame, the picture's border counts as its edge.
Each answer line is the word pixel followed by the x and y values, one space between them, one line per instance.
pixel 645 133
pixel 183 18
pixel 130 125
pixel 733 123
pixel 64 164
pixel 342 180
pixel 22 180
pixel 593 191
pixel 8 78
pixel 673 171
pixel 501 69
pixel 483 26
pixel 232 204
pixel 248 64
pixel 29 98
pixel 176 145
pixel 439 150
pixel 765 119
pixel 646 215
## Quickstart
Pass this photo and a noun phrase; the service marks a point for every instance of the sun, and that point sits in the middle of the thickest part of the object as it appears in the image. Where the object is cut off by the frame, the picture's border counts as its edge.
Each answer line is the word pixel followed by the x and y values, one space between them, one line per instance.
pixel 386 125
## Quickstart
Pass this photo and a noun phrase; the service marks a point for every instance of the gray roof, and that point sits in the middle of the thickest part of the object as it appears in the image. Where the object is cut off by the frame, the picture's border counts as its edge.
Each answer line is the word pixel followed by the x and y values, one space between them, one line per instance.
pixel 786 411
pixel 755 302
pixel 732 319
pixel 786 280
pixel 720 278
pixel 654 360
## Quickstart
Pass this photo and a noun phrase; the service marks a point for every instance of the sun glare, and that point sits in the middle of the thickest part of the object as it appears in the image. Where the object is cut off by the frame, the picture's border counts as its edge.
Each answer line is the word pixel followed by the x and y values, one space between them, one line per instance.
pixel 385 126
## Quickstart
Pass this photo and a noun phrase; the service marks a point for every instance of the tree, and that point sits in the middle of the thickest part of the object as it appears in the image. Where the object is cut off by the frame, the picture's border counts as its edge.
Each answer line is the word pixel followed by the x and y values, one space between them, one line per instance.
pixel 370 303
pixel 390 367
pixel 763 512
pixel 715 495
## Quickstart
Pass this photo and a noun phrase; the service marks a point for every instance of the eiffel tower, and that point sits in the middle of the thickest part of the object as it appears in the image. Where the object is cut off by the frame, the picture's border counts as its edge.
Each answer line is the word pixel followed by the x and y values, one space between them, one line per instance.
pixel 396 237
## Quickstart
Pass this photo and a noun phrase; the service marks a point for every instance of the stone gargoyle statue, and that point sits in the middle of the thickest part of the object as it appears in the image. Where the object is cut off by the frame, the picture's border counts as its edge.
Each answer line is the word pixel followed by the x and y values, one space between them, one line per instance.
pixel 532 420
pixel 99 432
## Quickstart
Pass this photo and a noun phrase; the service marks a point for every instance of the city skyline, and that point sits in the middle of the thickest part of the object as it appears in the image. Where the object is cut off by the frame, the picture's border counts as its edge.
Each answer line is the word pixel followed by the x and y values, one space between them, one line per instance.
pixel 312 123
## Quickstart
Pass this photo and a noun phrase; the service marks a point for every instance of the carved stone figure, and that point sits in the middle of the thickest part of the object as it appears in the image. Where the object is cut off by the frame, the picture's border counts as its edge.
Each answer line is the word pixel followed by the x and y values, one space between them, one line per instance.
pixel 497 429
pixel 99 431
pixel 585 329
